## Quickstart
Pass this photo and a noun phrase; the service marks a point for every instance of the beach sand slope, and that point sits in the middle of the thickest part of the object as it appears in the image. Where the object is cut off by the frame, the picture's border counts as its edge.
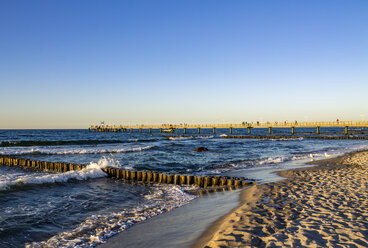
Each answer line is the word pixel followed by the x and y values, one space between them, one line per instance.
pixel 321 206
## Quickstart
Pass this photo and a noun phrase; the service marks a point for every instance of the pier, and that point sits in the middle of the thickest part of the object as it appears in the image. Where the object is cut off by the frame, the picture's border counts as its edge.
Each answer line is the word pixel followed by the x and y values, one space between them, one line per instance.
pixel 170 128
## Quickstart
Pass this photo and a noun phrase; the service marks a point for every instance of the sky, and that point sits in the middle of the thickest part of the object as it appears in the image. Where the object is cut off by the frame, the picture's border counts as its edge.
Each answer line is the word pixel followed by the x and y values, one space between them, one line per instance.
pixel 72 64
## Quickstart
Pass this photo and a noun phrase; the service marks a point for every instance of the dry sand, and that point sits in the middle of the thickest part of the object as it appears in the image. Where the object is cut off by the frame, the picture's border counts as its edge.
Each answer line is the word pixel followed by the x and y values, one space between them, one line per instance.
pixel 322 206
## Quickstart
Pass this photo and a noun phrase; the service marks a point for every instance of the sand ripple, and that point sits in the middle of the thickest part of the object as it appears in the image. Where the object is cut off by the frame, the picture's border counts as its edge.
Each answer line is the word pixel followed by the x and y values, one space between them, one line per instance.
pixel 323 206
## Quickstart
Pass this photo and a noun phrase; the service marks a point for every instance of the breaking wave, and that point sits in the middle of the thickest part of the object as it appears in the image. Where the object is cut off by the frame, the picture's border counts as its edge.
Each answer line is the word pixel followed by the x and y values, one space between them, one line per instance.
pixel 93 170
pixel 308 156
pixel 69 151
pixel 26 143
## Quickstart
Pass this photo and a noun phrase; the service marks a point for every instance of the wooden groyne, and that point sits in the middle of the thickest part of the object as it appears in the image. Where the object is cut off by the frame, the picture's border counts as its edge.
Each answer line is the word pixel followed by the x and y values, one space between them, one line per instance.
pixel 39 165
pixel 139 176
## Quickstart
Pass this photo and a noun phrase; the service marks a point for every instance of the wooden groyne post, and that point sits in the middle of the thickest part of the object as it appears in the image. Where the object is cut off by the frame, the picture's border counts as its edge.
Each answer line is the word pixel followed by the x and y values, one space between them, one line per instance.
pixel 139 176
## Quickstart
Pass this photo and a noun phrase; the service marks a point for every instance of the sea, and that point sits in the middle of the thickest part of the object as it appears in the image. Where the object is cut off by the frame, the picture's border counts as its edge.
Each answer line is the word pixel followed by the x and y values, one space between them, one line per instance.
pixel 85 208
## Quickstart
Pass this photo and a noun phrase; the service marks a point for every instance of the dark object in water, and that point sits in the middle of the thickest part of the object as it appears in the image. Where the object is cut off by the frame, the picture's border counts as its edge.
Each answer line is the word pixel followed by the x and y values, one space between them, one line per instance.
pixel 200 149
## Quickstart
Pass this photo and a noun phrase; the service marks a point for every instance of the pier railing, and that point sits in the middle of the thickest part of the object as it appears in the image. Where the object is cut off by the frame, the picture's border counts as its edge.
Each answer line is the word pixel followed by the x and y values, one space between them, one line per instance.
pixel 230 126
pixel 241 125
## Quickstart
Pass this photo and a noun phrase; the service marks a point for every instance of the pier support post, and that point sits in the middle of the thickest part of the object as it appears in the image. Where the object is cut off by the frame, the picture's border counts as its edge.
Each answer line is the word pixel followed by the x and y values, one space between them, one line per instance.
pixel 269 130
pixel 346 130
pixel 150 130
pixel 160 130
pixel 231 130
pixel 248 130
pixel 292 130
pixel 131 130
pixel 185 130
pixel 140 130
pixel 199 130
pixel 214 130
pixel 317 130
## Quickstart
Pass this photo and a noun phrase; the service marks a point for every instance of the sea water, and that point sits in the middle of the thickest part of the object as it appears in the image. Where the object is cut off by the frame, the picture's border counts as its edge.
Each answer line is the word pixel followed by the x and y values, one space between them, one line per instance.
pixel 84 208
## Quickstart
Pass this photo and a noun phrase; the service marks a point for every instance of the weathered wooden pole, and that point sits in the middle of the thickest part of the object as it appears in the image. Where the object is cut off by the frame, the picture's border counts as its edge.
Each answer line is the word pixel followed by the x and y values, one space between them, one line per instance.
pixel 269 130
pixel 346 130
pixel 199 130
pixel 231 130
pixel 185 130
pixel 248 130
pixel 292 130
pixel 317 130
pixel 214 130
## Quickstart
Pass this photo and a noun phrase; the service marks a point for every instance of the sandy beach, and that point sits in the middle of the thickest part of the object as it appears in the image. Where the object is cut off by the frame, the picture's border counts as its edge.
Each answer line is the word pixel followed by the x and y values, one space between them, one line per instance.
pixel 321 206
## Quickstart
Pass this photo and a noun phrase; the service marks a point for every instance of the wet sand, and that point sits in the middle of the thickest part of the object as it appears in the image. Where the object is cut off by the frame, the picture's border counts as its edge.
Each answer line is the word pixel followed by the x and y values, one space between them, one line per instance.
pixel 180 227
pixel 321 206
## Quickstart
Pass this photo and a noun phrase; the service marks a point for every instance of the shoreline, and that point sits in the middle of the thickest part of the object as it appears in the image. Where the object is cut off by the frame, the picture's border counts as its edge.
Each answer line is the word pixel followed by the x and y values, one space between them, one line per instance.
pixel 297 211
pixel 179 227
pixel 208 234
pixel 206 212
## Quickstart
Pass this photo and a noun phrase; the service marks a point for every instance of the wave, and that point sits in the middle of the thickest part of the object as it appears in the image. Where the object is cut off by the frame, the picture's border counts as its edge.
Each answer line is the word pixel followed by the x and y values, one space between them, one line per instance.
pixel 97 228
pixel 188 137
pixel 286 139
pixel 93 170
pixel 26 143
pixel 142 140
pixel 60 151
pixel 273 161
pixel 269 161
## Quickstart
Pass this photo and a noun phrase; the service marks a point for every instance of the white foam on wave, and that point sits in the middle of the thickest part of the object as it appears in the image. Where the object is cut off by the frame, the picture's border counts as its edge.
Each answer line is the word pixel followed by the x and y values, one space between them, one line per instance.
pixel 93 170
pixel 185 138
pixel 286 139
pixel 281 159
pixel 97 228
pixel 70 151
pixel 180 138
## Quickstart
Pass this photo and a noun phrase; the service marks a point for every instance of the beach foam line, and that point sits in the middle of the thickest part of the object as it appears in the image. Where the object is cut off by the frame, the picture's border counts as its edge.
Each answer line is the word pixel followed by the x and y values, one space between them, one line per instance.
pixel 96 229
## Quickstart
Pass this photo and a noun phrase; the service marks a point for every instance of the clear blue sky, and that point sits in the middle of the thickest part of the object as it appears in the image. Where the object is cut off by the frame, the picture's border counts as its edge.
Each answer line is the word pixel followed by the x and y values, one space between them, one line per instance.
pixel 72 63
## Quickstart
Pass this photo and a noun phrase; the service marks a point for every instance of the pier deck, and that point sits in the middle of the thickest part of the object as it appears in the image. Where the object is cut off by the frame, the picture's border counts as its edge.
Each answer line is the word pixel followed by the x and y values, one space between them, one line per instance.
pixel 248 125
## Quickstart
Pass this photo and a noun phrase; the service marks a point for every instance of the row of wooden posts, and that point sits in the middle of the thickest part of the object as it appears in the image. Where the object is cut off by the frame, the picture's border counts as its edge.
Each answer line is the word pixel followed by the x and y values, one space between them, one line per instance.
pixel 40 165
pixel 140 176
pixel 201 181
